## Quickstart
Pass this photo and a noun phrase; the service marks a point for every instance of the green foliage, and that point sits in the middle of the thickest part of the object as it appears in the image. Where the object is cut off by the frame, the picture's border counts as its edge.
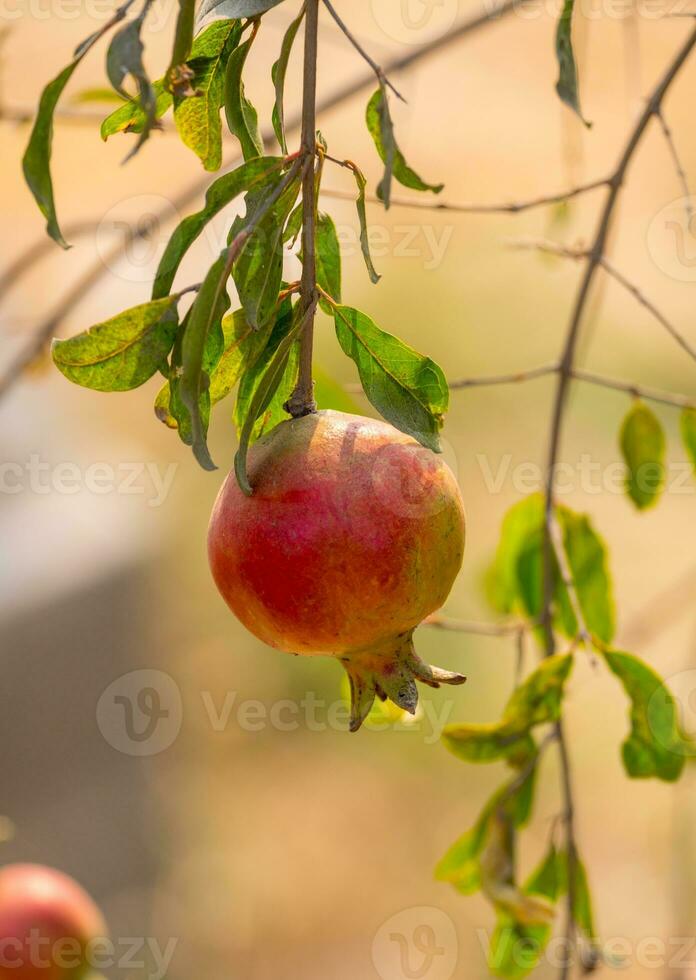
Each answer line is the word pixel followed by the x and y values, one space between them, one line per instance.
pixel 242 118
pixel 179 74
pixel 205 319
pixel 654 746
pixel 687 425
pixel 258 272
pixel 125 57
pixel 251 176
pixel 643 448
pixel 381 127
pixel 236 8
pixel 130 118
pixel 328 258
pixel 535 702
pixel 258 392
pixel 121 353
pixel 567 84
pixel 516 580
pixel 406 387
pixel 278 73
pixel 197 117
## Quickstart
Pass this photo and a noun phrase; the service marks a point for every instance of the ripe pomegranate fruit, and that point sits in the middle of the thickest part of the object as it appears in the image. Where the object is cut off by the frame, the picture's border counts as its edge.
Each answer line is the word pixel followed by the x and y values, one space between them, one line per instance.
pixel 46 922
pixel 354 534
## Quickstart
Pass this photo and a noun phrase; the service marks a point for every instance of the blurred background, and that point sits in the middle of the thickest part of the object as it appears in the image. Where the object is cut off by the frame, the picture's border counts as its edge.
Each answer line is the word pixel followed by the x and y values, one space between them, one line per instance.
pixel 233 814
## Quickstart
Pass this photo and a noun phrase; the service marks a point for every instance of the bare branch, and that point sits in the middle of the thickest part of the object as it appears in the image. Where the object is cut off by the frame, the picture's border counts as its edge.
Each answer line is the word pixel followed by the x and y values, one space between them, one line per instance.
pixel 381 77
pixel 476 629
pixel 681 173
pixel 511 207
pixel 638 391
pixel 515 377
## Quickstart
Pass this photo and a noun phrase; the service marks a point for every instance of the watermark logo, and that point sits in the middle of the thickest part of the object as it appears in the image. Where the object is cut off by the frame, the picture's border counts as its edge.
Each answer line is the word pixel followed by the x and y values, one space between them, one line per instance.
pixel 140 713
pixel 671 239
pixel 416 944
pixel 412 21
pixel 146 234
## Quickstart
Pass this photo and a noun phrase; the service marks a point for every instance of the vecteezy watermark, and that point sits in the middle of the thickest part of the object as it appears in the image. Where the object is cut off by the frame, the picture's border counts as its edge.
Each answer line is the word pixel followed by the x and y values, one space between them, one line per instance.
pixel 411 21
pixel 39 476
pixel 160 14
pixel 585 474
pixel 671 239
pixel 140 713
pixel 39 953
pixel 416 944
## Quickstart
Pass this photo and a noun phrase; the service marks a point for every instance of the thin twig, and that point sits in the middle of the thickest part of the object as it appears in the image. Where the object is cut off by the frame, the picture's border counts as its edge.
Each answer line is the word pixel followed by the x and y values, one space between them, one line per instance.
pixel 509 207
pixel 681 173
pixel 381 77
pixel 515 377
pixel 475 629
pixel 567 364
pixel 611 269
pixel 94 275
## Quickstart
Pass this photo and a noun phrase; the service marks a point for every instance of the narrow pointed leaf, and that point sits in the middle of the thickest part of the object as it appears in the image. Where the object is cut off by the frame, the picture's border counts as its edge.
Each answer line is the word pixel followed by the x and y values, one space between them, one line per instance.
pixel 243 346
pixel 687 425
pixel 588 559
pixel 121 353
pixel 643 448
pixel 328 258
pixel 362 218
pixel 380 126
pixel 405 387
pixel 130 118
pixel 242 118
pixel 124 58
pixel 206 314
pixel 567 84
pixel 278 73
pixel 179 76
pixel 250 176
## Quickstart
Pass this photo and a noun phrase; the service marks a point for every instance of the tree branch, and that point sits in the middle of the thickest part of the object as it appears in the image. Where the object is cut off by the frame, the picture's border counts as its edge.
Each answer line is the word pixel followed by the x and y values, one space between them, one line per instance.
pixel 567 363
pixel 681 174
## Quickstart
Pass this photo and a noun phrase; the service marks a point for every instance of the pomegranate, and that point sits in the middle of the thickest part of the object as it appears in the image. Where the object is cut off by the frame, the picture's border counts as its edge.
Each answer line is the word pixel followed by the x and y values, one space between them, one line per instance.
pixel 354 534
pixel 46 922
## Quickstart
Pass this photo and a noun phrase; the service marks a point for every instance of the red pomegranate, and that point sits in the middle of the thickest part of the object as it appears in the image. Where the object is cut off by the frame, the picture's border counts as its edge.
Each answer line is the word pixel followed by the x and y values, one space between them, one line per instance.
pixel 354 534
pixel 46 922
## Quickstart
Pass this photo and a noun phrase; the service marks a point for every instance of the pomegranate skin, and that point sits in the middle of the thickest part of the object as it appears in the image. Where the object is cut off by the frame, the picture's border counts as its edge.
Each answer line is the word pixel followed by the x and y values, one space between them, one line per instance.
pixel 354 534
pixel 46 921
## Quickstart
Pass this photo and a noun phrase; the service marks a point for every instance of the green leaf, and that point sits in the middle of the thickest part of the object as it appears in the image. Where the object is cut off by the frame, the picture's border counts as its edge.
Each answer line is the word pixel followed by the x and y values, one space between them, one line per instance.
pixel 37 157
pixel 242 118
pixel 407 389
pixel 687 425
pixel 96 94
pixel 567 84
pixel 582 904
pixel 235 8
pixel 197 117
pixel 179 75
pixel 379 123
pixel 206 313
pixel 587 558
pixel 258 272
pixel 524 518
pixel 328 256
pixel 243 345
pixel 259 395
pixel 460 865
pixel 362 217
pixel 130 118
pixel 125 57
pixel 121 353
pixel 535 702
pixel 278 73
pixel 654 747
pixel 643 449
pixel 250 176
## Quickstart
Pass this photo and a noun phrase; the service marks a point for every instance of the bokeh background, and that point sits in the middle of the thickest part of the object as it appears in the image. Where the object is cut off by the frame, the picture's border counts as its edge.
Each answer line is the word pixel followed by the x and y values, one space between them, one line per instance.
pixel 267 842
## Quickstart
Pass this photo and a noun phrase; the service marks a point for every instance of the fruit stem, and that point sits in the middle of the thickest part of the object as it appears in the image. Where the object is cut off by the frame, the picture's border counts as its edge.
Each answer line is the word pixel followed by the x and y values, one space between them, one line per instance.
pixel 301 402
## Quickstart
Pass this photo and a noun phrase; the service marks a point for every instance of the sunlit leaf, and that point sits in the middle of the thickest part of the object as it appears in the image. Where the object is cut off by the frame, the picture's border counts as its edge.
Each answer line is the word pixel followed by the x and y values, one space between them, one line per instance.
pixel 654 747
pixel 643 448
pixel 380 126
pixel 96 94
pixel 242 118
pixel 121 353
pixel 130 118
pixel 233 8
pixel 328 258
pixel 242 346
pixel 362 218
pixel 125 58
pixel 278 73
pixel 250 176
pixel 407 389
pixel 587 557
